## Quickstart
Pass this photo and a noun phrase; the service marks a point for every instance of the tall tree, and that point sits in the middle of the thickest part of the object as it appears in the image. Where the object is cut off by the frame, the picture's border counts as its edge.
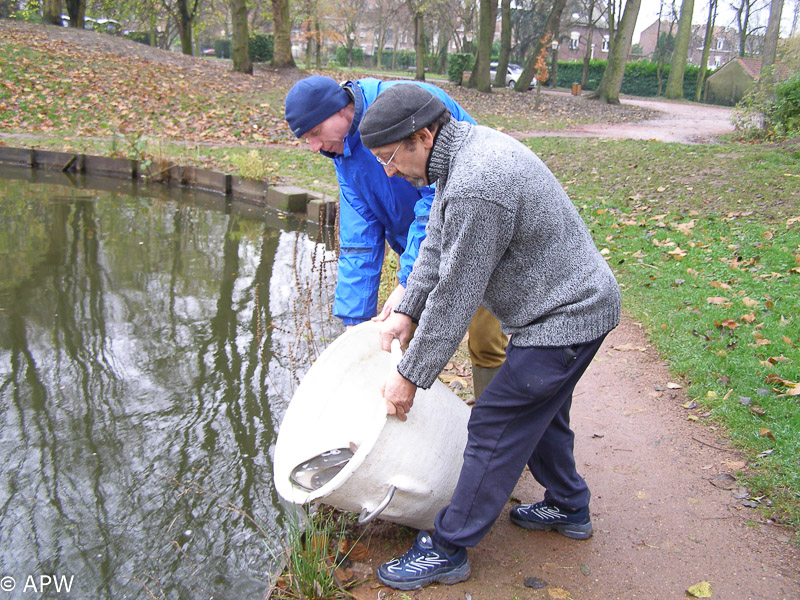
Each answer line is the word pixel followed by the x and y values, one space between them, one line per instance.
pixel 419 43
pixel 550 27
pixel 76 9
pixel 481 51
pixel 591 23
pixel 183 14
pixel 282 27
pixel 240 44
pixel 771 39
pixel 744 10
pixel 611 82
pixel 677 68
pixel 665 44
pixel 52 12
pixel 485 38
pixel 383 15
pixel 505 43
pixel 709 37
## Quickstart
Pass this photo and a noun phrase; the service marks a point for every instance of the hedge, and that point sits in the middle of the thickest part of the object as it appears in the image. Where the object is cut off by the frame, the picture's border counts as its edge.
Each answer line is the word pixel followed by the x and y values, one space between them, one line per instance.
pixel 261 47
pixel 640 77
pixel 357 56
pixel 222 48
pixel 456 65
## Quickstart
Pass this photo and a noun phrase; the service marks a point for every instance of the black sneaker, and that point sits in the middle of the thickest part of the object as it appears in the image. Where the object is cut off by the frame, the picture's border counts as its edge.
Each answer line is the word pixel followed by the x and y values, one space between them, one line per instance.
pixel 423 565
pixel 543 515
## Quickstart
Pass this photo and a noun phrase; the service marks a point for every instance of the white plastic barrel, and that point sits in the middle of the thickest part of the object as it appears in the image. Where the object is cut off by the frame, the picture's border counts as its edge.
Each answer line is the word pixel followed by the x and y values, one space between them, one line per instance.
pixel 405 471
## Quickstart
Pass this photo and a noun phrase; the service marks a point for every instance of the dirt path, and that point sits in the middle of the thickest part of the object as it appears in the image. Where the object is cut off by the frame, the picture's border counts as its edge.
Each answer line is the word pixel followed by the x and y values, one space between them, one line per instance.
pixel 661 524
pixel 679 122
pixel 667 510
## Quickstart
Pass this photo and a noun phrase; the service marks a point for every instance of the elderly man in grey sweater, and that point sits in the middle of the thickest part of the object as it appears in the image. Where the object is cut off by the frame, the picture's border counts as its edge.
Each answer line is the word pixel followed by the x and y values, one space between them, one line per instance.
pixel 502 234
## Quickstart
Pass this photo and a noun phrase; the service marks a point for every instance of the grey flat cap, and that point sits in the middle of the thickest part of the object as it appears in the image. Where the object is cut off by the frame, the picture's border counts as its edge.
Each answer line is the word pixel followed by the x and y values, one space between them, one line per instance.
pixel 397 113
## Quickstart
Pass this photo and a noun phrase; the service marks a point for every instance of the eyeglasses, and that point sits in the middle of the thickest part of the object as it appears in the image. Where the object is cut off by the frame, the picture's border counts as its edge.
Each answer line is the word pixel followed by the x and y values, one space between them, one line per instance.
pixel 391 158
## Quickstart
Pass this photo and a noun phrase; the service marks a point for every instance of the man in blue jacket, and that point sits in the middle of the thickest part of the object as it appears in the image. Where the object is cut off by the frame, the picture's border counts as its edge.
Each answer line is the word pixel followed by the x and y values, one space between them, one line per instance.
pixel 375 209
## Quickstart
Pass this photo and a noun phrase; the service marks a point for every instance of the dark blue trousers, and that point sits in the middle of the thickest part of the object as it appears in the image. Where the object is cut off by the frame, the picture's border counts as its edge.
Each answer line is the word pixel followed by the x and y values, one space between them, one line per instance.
pixel 521 418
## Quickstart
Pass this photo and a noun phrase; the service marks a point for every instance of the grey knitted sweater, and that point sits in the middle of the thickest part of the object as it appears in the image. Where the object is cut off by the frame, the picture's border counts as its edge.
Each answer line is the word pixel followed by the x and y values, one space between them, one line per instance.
pixel 504 234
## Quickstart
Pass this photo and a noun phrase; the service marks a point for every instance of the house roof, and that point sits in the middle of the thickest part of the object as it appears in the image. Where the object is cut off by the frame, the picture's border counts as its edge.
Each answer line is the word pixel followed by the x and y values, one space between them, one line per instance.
pixel 752 66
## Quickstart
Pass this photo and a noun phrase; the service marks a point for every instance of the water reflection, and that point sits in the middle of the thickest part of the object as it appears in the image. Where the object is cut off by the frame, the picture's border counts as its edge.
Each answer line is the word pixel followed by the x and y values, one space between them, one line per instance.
pixel 148 346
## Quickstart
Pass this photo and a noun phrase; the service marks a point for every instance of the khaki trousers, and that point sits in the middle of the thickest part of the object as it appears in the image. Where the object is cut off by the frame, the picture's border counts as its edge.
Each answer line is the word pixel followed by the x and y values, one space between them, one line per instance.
pixel 487 343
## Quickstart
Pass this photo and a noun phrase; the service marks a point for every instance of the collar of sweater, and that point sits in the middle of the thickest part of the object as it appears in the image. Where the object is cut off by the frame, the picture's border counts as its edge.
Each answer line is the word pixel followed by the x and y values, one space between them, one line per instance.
pixel 449 138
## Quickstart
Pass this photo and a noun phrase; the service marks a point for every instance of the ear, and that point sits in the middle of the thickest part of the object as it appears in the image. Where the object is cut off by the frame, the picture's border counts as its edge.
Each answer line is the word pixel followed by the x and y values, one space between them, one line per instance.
pixel 425 137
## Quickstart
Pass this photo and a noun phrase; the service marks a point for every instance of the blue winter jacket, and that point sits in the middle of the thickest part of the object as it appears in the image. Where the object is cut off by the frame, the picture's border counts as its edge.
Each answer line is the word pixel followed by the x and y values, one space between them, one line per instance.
pixel 374 209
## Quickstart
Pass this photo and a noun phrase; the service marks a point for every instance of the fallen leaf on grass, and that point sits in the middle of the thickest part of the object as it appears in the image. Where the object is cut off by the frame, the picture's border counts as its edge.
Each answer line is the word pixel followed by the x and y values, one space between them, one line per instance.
pixel 718 300
pixel 749 302
pixel 777 359
pixel 764 432
pixel 719 285
pixel 700 590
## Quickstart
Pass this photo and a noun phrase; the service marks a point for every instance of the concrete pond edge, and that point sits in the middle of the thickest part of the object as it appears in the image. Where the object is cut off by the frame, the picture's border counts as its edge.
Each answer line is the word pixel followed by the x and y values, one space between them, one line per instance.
pixel 315 207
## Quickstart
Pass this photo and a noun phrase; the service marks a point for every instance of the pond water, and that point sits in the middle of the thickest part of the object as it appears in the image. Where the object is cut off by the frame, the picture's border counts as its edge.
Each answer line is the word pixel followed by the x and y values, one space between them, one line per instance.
pixel 149 343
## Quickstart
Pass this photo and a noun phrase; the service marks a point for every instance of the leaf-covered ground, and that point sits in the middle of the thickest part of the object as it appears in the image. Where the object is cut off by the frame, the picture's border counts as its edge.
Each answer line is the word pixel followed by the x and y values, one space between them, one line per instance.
pixel 703 239
pixel 87 84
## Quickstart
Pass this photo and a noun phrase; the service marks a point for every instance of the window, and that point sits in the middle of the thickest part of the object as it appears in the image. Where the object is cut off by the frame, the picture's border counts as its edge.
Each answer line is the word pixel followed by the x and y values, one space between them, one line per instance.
pixel 720 44
pixel 605 43
pixel 574 40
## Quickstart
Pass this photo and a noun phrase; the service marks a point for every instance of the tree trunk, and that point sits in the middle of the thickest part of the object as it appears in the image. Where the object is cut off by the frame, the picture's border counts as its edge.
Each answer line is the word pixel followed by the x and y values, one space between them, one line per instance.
pixel 505 44
pixel 240 46
pixel 485 36
pixel 743 22
pixel 612 25
pixel 709 38
pixel 52 12
pixel 185 26
pixel 587 57
pixel 771 40
pixel 76 9
pixel 309 45
pixel 674 89
pixel 611 83
pixel 444 44
pixel 282 26
pixel 419 44
pixel 550 26
pixel 473 78
pixel 318 48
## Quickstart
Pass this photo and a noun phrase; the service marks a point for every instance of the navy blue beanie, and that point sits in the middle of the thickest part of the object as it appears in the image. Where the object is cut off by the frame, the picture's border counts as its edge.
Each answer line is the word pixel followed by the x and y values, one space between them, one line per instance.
pixel 311 101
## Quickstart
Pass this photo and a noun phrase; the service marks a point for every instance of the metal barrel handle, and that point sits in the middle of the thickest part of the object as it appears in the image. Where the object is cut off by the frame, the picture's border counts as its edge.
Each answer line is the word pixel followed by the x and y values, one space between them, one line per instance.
pixel 366 517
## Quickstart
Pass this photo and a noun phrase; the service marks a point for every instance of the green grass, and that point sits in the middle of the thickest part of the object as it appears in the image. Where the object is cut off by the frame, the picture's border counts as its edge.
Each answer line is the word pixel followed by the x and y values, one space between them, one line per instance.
pixel 705 243
pixel 679 224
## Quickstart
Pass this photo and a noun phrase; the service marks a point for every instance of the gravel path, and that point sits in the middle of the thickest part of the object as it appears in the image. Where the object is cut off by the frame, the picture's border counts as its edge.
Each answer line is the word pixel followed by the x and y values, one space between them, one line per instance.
pixel 677 122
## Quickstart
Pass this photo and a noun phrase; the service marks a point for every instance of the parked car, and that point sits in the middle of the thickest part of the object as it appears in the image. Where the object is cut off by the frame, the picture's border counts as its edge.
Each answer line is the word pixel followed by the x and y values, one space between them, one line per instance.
pixel 111 26
pixel 512 75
